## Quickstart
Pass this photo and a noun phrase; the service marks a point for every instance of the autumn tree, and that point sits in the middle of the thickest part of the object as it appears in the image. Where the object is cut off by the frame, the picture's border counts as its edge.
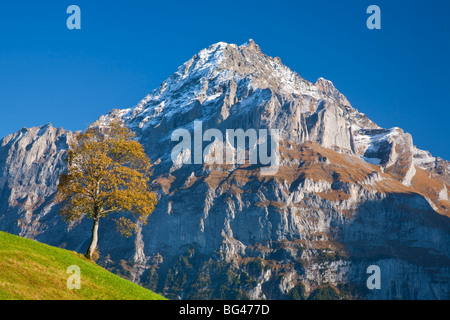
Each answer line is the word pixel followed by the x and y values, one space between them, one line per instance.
pixel 108 174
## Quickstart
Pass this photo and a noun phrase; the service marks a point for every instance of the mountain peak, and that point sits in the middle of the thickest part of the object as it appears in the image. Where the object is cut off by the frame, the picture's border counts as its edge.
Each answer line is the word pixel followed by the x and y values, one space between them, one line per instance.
pixel 251 45
pixel 327 87
pixel 226 76
pixel 323 81
pixel 208 77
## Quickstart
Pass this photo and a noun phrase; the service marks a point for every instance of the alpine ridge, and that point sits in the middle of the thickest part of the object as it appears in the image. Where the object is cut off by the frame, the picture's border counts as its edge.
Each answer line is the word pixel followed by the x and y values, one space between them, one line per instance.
pixel 348 193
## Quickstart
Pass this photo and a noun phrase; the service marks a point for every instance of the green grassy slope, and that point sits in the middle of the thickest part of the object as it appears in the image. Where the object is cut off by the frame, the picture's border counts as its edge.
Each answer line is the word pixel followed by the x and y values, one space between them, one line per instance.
pixel 31 270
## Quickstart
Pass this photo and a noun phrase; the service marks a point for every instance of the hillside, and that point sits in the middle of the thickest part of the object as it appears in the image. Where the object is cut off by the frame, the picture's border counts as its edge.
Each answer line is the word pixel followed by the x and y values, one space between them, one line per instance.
pixel 31 270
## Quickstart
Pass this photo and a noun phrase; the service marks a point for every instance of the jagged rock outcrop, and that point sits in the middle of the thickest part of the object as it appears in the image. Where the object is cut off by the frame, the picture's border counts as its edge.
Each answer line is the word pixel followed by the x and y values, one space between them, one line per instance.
pixel 347 193
pixel 30 163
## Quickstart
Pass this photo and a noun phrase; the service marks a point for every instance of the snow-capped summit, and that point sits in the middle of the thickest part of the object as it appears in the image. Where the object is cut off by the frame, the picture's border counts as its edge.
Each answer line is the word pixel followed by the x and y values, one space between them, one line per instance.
pixel 251 44
pixel 227 85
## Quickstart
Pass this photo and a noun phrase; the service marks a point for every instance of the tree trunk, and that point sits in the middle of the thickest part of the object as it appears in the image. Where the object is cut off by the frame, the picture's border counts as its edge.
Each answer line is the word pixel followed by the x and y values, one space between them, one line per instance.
pixel 94 240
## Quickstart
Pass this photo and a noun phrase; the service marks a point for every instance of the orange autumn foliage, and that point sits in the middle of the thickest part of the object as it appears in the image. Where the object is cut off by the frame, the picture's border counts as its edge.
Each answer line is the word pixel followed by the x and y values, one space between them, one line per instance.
pixel 108 173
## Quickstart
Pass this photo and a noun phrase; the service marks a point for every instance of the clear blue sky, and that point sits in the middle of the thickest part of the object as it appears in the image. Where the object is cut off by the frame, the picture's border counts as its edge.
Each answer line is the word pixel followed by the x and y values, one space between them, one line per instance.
pixel 398 76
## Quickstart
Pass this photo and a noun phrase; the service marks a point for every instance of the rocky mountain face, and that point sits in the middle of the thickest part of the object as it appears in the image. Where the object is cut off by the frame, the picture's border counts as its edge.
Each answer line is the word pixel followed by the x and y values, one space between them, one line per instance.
pixel 30 163
pixel 347 194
